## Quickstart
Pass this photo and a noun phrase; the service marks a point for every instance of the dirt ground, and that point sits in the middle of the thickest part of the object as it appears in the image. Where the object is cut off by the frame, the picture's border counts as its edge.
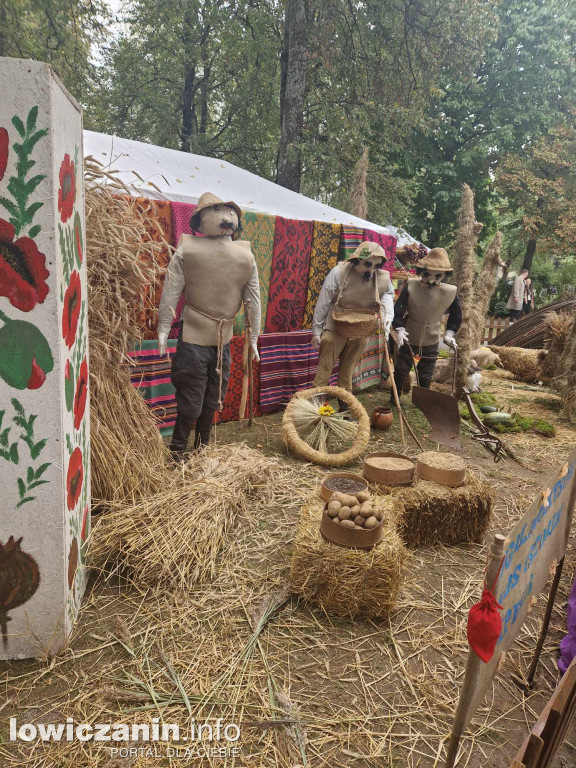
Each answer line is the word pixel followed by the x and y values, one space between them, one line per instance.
pixel 359 694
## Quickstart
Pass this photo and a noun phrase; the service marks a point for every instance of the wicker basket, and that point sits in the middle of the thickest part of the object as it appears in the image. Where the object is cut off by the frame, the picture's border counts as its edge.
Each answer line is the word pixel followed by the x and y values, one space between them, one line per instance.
pixel 355 323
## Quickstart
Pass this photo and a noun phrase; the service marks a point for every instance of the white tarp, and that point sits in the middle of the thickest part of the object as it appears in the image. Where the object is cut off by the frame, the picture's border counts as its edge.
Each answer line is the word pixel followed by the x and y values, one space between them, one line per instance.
pixel 167 174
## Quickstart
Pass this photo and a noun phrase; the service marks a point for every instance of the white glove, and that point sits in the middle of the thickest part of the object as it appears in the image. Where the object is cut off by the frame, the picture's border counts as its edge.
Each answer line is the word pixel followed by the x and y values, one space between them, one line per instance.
pixel 254 350
pixel 449 340
pixel 402 336
pixel 386 323
pixel 315 343
pixel 162 342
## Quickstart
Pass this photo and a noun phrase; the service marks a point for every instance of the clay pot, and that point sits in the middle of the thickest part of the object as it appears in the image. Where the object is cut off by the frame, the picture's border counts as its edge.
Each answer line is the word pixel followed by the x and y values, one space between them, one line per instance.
pixel 382 417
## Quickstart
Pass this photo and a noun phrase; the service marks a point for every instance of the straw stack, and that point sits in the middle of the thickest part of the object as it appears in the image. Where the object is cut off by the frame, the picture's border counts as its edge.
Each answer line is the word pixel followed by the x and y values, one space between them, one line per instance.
pixel 428 513
pixel 345 582
pixel 524 364
pixel 558 327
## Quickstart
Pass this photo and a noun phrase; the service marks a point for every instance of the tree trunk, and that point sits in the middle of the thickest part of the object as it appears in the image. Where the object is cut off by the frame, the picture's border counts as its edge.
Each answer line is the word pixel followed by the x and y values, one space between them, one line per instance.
pixel 529 255
pixel 189 86
pixel 289 162
pixel 2 28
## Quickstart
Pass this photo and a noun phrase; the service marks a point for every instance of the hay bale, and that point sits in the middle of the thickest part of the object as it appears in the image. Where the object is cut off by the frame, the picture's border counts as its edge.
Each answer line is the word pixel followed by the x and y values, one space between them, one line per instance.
pixel 345 582
pixel 524 364
pixel 558 326
pixel 428 513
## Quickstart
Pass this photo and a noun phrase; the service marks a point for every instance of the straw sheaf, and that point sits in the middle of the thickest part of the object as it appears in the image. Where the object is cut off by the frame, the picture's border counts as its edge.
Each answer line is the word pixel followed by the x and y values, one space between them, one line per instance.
pixel 295 443
pixel 558 326
pixel 174 536
pixel 428 514
pixel 524 364
pixel 346 582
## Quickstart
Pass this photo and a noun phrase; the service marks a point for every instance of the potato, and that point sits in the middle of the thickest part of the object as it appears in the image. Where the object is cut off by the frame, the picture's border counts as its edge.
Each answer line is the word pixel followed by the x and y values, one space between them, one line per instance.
pixel 333 507
pixel 335 520
pixel 371 522
pixel 347 524
pixel 344 513
pixel 359 528
pixel 355 509
pixel 366 510
pixel 363 496
pixel 359 520
pixel 378 514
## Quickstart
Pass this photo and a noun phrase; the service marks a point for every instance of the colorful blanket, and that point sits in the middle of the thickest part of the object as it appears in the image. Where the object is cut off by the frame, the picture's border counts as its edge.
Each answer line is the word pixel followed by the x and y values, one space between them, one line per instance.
pixel 181 213
pixel 350 239
pixel 231 410
pixel 368 371
pixel 388 243
pixel 289 279
pixel 288 363
pixel 324 256
pixel 150 374
pixel 258 229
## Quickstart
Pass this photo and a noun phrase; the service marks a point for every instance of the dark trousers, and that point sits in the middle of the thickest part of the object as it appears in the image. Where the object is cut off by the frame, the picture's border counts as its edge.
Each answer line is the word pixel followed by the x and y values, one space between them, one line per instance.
pixel 197 382
pixel 527 307
pixel 514 314
pixel 425 368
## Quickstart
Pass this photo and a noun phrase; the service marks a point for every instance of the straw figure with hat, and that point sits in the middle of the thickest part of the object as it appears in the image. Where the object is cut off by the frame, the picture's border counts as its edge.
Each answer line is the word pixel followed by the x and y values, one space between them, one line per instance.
pixel 217 273
pixel 356 295
pixel 417 316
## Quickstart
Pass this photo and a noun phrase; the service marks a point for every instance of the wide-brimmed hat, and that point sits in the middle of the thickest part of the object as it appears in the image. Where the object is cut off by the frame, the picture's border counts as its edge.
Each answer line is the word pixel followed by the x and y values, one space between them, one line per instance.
pixel 438 259
pixel 208 200
pixel 367 250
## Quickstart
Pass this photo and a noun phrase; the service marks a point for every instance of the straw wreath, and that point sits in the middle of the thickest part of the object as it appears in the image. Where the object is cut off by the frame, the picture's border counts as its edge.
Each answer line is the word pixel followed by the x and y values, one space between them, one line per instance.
pixel 296 413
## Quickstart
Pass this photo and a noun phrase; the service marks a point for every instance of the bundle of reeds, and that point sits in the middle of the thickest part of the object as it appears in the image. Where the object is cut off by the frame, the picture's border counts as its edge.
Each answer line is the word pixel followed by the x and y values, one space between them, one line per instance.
pixel 345 582
pixel 128 454
pixel 558 326
pixel 530 331
pixel 173 537
pixel 524 364
pixel 427 513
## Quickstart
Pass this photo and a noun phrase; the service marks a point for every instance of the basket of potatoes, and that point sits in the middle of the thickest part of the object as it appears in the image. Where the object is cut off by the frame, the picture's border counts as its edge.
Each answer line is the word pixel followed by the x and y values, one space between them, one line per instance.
pixel 351 520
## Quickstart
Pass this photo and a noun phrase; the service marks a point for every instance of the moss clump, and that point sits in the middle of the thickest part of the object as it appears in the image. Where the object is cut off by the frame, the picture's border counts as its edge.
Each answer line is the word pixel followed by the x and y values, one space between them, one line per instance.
pixel 520 423
pixel 490 367
pixel 483 398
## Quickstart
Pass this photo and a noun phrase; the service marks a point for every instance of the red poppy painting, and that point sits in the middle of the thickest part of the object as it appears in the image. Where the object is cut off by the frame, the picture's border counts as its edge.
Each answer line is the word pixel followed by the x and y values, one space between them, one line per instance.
pixel 3 151
pixel 23 270
pixel 74 478
pixel 81 394
pixel 67 191
pixel 71 311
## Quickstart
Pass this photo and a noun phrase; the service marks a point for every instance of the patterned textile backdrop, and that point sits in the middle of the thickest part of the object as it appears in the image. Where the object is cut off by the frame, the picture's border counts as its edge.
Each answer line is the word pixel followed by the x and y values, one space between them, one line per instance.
pixel 324 256
pixel 287 364
pixel 258 229
pixel 289 279
pixel 350 239
pixel 150 374
pixel 181 213
pixel 368 371
pixel 159 229
pixel 231 410
pixel 388 243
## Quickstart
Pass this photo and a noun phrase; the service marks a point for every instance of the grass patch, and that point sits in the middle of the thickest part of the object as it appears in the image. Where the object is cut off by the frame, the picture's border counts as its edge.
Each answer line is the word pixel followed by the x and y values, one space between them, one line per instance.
pixel 552 404
pixel 525 424
pixel 483 398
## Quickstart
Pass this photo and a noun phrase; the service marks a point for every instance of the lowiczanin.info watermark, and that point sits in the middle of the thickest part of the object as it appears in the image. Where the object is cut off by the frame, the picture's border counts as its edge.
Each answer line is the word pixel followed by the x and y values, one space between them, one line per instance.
pixel 197 741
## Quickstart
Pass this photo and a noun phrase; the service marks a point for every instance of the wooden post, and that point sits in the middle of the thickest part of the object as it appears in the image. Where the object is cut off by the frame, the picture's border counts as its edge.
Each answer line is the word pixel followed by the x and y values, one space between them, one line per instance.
pixel 474 663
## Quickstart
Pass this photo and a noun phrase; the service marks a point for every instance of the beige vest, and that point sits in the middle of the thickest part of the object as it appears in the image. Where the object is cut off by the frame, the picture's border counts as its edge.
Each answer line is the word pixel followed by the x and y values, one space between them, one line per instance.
pixel 215 273
pixel 357 293
pixel 426 306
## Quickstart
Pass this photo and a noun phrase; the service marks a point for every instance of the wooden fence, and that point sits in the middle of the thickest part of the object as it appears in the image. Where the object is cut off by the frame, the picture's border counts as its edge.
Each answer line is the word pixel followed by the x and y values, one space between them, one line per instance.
pixel 493 327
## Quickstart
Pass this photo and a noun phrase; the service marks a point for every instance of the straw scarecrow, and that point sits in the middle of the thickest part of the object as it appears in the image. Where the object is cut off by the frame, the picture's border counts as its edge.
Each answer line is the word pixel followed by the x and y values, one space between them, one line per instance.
pixel 355 295
pixel 217 272
pixel 417 316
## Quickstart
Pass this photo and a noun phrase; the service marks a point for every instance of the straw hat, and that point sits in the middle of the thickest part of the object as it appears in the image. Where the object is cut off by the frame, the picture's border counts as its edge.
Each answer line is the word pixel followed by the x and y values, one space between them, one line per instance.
pixel 208 200
pixel 438 259
pixel 367 250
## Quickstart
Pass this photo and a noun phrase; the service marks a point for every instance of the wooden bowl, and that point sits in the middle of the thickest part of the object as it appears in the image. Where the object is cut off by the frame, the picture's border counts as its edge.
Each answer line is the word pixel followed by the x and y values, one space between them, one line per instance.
pixel 326 493
pixel 391 477
pixel 351 538
pixel 453 478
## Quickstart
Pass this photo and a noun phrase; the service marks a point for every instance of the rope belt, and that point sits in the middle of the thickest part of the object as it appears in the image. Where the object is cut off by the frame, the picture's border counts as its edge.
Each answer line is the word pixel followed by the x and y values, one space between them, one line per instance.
pixel 220 353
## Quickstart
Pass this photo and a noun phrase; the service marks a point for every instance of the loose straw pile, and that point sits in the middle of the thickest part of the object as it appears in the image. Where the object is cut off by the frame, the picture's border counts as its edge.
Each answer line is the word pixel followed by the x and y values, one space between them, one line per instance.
pixel 174 536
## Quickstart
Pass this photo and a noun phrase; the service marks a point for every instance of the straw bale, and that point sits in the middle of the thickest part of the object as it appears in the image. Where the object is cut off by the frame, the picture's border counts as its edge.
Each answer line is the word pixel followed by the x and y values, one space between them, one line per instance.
pixel 569 390
pixel 428 513
pixel 558 326
pixel 345 582
pixel 173 537
pixel 524 364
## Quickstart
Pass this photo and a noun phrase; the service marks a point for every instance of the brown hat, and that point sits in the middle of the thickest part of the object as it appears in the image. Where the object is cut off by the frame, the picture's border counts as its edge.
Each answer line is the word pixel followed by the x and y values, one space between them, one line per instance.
pixel 208 200
pixel 438 259
pixel 366 250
